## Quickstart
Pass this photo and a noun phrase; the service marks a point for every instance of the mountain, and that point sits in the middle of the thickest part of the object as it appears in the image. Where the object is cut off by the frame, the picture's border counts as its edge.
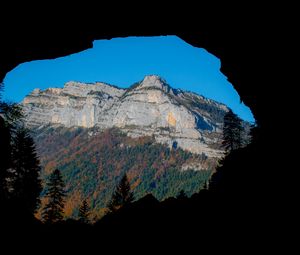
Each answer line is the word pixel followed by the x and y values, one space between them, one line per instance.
pixel 148 108
pixel 166 140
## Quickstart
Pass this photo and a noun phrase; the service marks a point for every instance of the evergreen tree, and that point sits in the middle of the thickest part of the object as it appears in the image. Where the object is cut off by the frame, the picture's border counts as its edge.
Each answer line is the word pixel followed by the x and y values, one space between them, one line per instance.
pixel 232 131
pixel 53 210
pixel 84 212
pixel 5 162
pixel 10 119
pixel 12 115
pixel 20 185
pixel 122 195
pixel 26 185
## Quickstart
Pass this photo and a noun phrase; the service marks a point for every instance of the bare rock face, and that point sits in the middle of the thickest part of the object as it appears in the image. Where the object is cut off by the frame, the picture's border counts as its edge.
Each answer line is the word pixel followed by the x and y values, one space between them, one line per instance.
pixel 77 104
pixel 148 108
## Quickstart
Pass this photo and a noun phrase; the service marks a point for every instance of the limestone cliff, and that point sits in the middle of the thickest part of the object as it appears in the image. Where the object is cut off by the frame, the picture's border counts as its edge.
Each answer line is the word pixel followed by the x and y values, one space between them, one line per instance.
pixel 148 108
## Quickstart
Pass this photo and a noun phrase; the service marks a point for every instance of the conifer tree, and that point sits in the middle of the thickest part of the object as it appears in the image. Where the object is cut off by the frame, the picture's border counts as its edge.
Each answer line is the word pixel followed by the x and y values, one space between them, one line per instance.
pixel 26 184
pixel 54 209
pixel 5 162
pixel 84 211
pixel 20 185
pixel 122 195
pixel 10 119
pixel 232 132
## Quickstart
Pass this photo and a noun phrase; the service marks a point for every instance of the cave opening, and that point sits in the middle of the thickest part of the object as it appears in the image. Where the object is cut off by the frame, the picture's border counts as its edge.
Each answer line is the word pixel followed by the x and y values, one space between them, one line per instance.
pixel 127 78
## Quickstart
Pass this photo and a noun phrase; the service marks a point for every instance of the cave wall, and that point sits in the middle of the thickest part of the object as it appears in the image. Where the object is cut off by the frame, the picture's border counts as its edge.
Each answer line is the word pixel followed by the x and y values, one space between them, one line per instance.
pixel 247 46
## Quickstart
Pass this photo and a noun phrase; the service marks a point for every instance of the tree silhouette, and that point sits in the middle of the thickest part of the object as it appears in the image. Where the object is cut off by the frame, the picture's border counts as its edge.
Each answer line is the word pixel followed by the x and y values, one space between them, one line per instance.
pixel 53 210
pixel 232 131
pixel 20 185
pixel 10 116
pixel 122 195
pixel 26 185
pixel 84 211
pixel 5 152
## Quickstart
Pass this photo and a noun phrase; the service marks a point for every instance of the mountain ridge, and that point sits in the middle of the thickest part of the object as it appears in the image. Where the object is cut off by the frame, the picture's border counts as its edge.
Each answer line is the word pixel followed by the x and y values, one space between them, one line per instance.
pixel 150 107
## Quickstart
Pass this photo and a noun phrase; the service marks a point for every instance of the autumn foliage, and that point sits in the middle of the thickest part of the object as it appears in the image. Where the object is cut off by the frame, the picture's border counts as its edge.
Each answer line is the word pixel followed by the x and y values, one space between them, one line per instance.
pixel 92 163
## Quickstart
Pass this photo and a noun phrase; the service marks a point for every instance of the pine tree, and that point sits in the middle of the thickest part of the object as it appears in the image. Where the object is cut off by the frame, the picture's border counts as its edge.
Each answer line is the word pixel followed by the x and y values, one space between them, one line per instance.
pixel 232 132
pixel 84 212
pixel 26 185
pixel 53 210
pixel 20 185
pixel 122 195
pixel 10 119
pixel 5 162
pixel 11 114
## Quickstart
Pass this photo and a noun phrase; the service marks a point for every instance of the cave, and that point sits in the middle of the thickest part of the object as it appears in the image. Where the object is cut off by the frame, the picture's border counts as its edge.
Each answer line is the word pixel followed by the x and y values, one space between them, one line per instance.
pixel 246 61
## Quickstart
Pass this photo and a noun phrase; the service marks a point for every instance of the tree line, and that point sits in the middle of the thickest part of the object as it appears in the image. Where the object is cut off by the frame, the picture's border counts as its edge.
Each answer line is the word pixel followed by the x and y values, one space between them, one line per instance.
pixel 53 210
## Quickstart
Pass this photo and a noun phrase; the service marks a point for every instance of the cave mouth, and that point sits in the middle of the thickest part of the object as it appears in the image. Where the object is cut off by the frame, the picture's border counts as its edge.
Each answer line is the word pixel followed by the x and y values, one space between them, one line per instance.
pixel 125 63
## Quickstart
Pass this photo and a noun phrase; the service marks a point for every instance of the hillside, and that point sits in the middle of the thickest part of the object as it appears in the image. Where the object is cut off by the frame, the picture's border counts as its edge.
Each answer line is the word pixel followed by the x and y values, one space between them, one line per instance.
pixel 92 162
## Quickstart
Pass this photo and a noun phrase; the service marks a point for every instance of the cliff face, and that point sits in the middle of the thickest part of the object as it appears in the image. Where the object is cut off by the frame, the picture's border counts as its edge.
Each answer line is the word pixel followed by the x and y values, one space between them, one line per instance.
pixel 77 104
pixel 148 108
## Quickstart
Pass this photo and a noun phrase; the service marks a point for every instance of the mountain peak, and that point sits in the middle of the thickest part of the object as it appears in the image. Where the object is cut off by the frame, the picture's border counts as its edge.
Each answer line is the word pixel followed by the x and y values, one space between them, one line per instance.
pixel 154 81
pixel 153 78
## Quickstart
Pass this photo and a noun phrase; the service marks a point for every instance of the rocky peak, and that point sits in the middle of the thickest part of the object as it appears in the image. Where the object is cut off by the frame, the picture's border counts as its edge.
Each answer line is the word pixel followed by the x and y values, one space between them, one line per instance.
pixel 36 91
pixel 154 82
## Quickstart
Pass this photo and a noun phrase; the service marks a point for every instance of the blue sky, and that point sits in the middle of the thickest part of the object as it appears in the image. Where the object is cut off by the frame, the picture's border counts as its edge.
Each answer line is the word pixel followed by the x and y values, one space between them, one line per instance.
pixel 123 61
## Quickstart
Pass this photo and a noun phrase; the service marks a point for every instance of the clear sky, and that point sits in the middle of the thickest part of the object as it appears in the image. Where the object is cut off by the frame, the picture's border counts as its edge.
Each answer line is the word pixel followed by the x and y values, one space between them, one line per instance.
pixel 123 61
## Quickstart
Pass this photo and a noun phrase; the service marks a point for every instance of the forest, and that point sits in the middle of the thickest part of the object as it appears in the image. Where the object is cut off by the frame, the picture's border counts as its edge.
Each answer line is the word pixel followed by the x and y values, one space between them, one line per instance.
pixel 92 162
